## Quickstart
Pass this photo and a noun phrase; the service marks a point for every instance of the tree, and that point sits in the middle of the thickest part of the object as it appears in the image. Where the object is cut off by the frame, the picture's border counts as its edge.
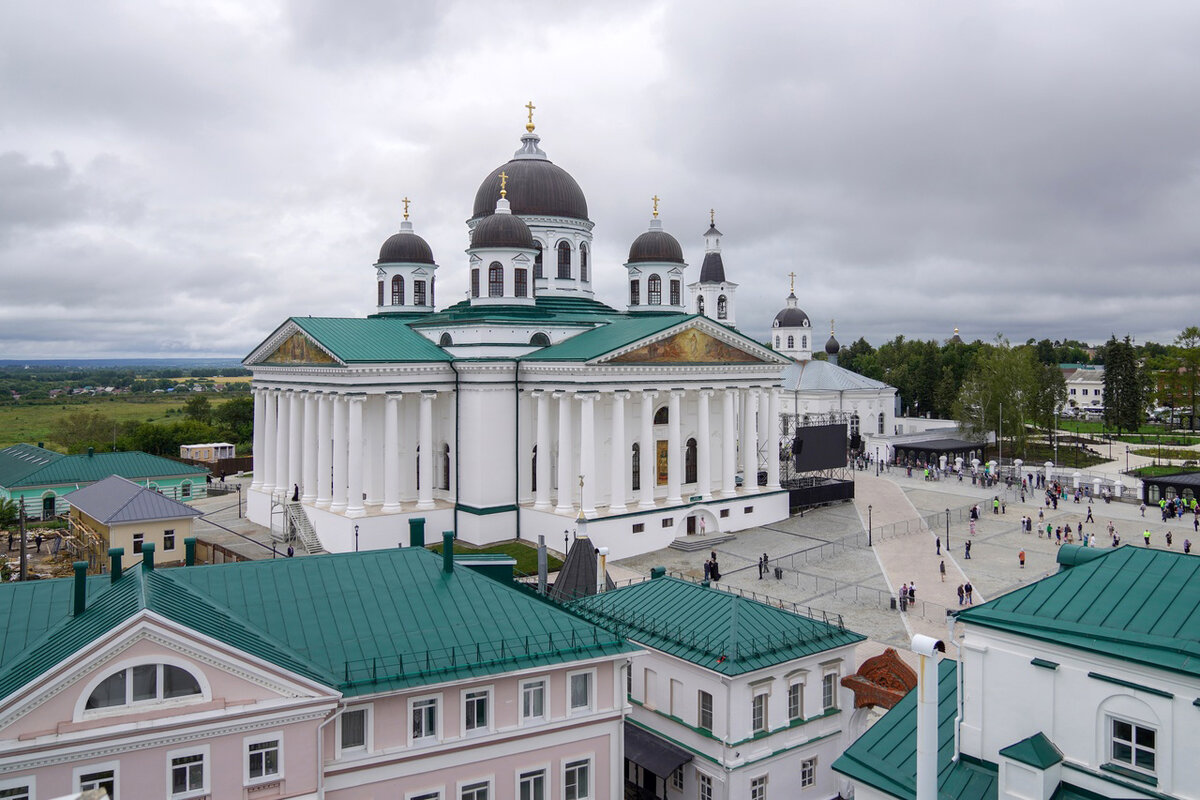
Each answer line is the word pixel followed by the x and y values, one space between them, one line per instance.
pixel 1001 393
pixel 235 417
pixel 1188 342
pixel 81 429
pixel 198 408
pixel 1125 387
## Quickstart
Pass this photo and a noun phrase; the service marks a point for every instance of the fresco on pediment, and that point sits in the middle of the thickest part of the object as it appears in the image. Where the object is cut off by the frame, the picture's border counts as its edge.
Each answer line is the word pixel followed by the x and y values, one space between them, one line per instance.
pixel 688 347
pixel 298 349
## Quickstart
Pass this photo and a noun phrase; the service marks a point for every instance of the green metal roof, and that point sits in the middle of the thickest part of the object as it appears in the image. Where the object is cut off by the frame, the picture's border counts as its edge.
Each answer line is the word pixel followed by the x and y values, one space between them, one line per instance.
pixel 545 310
pixel 58 469
pixel 357 622
pixel 374 339
pixel 715 629
pixel 595 343
pixel 1131 603
pixel 1037 751
pixel 19 460
pixel 885 757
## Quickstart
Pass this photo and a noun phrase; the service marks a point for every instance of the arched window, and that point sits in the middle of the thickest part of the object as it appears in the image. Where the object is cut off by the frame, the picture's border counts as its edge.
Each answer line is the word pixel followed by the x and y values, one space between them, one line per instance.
pixel 431 280
pixel 722 307
pixel 446 467
pixel 689 462
pixel 637 467
pixel 700 304
pixel 791 342
pixel 564 260
pixel 804 342
pixel 418 293
pixel 583 263
pixel 143 683
pixel 854 423
pixel 495 280
pixel 654 291
pixel 380 293
pixel 777 341
pixel 533 471
pixel 185 490
pixel 880 423
pixel 635 294
pixel 49 505
pixel 445 341
pixel 475 282
pixel 398 290
pixel 537 261
pixel 521 282
pixel 539 340
pixel 675 293
pixel 662 416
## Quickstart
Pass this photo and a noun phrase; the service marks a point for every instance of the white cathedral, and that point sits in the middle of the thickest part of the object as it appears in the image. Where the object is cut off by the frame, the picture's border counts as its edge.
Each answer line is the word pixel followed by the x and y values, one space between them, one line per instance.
pixel 529 408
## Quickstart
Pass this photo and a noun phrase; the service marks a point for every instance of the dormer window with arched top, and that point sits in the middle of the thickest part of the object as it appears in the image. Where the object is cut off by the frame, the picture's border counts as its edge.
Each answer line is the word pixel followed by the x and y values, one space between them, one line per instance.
pixel 398 290
pixel 143 683
pixel 654 291
pixel 495 280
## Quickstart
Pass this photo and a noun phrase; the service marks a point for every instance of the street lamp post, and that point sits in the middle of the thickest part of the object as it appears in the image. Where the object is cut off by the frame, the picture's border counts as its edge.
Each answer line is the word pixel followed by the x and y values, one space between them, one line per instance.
pixel 1127 458
pixel 868 525
pixel 356 538
pixel 947 529
pixel 239 488
pixel 1056 437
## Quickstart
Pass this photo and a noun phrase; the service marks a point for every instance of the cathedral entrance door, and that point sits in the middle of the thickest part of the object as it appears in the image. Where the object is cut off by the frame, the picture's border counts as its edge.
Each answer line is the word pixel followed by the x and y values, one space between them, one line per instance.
pixel 691 525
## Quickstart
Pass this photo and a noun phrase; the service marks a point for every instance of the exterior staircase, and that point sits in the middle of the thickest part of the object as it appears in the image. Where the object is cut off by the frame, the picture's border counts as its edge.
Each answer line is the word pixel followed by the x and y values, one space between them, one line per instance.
pixel 694 542
pixel 299 524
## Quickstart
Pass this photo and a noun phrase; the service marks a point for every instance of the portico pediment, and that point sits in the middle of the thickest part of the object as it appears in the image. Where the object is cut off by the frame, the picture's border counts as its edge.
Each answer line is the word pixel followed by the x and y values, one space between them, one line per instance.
pixel 298 349
pixel 688 346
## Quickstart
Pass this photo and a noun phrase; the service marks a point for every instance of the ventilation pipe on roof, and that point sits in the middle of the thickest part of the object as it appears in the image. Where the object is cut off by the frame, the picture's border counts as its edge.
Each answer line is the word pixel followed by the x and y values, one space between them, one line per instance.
pixel 447 552
pixel 115 556
pixel 543 564
pixel 189 551
pixel 91 452
pixel 80 587
pixel 148 556
pixel 601 569
pixel 416 532
pixel 927 648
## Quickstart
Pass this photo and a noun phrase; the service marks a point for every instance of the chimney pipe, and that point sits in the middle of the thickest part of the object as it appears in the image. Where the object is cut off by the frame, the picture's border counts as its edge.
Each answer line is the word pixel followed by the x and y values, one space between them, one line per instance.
pixel 189 551
pixel 927 648
pixel 447 552
pixel 416 532
pixel 148 556
pixel 601 569
pixel 91 452
pixel 543 564
pixel 80 587
pixel 115 555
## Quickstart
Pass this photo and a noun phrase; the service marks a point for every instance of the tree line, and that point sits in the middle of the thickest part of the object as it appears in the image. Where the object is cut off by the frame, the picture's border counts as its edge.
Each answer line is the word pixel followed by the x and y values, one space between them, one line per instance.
pixel 203 421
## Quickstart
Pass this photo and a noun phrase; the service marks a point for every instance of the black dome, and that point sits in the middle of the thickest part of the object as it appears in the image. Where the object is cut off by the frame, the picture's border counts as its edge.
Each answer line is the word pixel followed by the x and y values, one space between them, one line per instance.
pixel 832 347
pixel 405 247
pixel 535 187
pixel 713 269
pixel 501 230
pixel 655 246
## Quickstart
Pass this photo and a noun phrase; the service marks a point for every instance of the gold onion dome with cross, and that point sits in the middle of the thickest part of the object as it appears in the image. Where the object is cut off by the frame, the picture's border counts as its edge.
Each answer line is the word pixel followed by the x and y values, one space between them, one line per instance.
pixel 792 316
pixel 502 228
pixel 405 247
pixel 655 245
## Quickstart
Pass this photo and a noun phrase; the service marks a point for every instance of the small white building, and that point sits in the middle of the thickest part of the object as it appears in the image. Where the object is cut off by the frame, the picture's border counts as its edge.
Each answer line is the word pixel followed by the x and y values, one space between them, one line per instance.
pixel 209 452
pixel 733 695
pixel 1085 387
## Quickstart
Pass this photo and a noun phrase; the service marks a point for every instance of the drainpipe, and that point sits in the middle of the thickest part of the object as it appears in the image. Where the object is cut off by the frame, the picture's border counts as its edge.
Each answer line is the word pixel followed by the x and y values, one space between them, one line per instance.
pixel 337 712
pixel 517 441
pixel 958 653
pixel 927 648
pixel 727 737
pixel 457 435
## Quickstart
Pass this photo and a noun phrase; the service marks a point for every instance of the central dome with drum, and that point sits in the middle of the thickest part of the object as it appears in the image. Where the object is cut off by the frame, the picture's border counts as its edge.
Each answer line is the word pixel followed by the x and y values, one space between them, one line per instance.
pixel 536 186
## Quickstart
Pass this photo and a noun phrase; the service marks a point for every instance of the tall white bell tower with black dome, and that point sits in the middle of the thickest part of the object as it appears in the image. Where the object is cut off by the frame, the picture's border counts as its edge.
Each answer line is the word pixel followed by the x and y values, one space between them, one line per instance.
pixel 791 332
pixel 712 295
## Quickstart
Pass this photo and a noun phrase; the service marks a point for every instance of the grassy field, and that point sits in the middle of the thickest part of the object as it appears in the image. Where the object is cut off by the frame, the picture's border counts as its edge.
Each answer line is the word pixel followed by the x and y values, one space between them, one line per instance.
pixel 1166 452
pixel 1155 472
pixel 33 423
pixel 526 555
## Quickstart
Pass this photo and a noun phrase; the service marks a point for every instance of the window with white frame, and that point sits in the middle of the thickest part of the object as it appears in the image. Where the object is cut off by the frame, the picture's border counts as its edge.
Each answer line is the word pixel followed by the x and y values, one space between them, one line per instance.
pixel 829 690
pixel 189 774
pixel 808 772
pixel 436 794
pixel 677 779
pixel 704 786
pixel 758 788
pixel 476 704
pixel 705 712
pixel 478 790
pixel 577 780
pixel 425 718
pixel 263 761
pixel 354 725
pixel 143 683
pixel 758 713
pixel 139 539
pixel 795 701
pixel 1133 745
pixel 21 790
pixel 533 700
pixel 97 778
pixel 581 692
pixel 532 785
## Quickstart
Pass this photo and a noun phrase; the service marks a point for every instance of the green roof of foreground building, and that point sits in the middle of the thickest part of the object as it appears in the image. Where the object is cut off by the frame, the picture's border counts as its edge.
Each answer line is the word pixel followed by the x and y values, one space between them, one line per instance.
pixel 885 757
pixel 358 622
pixel 712 628
pixel 56 469
pixel 1131 603
pixel 370 340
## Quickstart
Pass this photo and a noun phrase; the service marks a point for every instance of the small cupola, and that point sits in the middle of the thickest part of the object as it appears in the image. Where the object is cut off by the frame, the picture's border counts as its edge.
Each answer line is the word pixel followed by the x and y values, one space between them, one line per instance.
pixel 712 295
pixel 791 332
pixel 502 256
pixel 832 348
pixel 404 273
pixel 655 266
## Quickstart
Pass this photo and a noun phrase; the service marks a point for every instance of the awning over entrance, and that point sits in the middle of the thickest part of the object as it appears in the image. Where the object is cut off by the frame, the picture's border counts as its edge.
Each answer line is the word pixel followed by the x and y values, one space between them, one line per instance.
pixel 653 754
pixel 1184 484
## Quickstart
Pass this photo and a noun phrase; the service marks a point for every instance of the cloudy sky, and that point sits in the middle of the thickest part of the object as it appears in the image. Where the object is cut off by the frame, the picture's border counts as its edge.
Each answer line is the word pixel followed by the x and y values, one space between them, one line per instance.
pixel 177 178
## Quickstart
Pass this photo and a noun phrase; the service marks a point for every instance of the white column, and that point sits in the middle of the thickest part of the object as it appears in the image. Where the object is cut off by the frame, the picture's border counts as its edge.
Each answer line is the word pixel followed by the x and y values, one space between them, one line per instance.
pixel 771 436
pixel 309 482
pixel 703 465
pixel 587 453
pixel 674 452
pixel 354 470
pixel 391 453
pixel 425 470
pixel 728 443
pixel 648 454
pixel 282 432
pixel 619 456
pixel 295 441
pixel 566 460
pixel 324 450
pixel 542 495
pixel 340 453
pixel 260 424
pixel 750 442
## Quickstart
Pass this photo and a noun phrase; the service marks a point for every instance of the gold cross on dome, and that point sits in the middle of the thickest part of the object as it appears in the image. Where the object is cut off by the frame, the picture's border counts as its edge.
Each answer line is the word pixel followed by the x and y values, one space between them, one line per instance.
pixel 503 183
pixel 831 327
pixel 712 217
pixel 655 199
pixel 406 201
pixel 792 275
pixel 530 107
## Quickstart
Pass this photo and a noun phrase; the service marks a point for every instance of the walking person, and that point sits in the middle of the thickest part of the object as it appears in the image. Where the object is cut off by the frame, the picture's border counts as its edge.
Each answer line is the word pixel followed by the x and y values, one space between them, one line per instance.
pixel 939 546
pixel 1187 546
pixel 760 568
pixel 942 569
pixel 1021 558
pixel 1089 516
pixel 1146 535
pixel 967 549
pixel 969 591
pixel 961 594
pixel 1168 538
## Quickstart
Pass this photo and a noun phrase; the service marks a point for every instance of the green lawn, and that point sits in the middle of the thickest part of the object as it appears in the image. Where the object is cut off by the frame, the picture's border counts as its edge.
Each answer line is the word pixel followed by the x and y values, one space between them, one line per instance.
pixel 1166 452
pixel 1155 472
pixel 32 423
pixel 526 555
pixel 1164 439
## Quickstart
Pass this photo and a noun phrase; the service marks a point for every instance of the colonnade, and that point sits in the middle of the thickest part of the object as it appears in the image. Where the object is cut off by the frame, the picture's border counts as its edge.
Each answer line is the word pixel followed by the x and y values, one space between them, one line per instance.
pixel 757 408
pixel 316 441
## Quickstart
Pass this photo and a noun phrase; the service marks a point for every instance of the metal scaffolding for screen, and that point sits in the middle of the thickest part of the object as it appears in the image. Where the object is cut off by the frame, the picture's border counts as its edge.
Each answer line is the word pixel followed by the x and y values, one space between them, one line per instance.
pixel 788 425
